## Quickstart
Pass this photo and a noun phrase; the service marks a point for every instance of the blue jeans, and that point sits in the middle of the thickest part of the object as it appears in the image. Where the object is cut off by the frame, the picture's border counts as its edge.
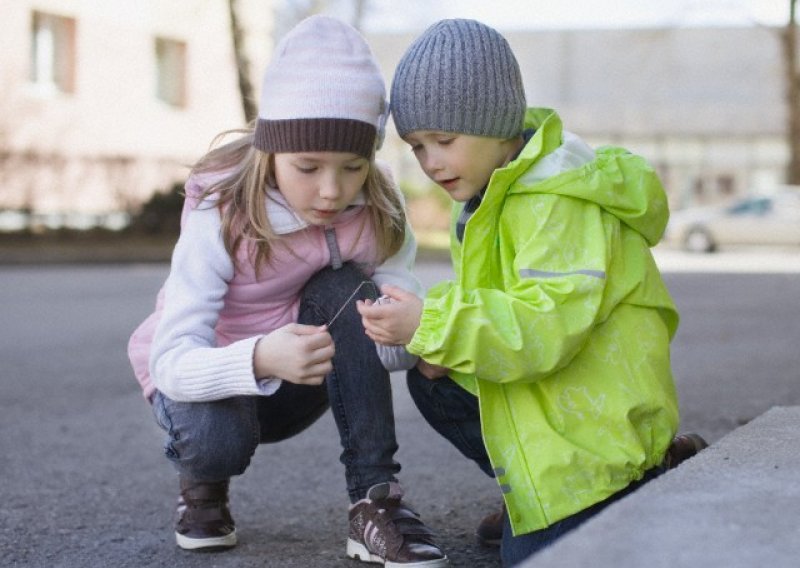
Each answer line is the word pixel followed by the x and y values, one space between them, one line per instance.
pixel 454 413
pixel 213 441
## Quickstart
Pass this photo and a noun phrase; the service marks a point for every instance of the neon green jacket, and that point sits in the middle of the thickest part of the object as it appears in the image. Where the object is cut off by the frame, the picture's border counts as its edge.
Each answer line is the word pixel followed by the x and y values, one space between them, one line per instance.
pixel 559 321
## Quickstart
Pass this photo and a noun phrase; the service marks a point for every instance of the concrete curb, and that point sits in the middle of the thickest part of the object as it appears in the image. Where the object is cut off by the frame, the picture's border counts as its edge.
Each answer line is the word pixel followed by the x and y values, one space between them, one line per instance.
pixel 734 505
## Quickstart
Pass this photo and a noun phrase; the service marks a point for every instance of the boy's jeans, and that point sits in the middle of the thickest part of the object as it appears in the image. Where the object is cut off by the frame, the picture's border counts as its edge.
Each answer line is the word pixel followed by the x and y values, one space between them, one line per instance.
pixel 453 412
pixel 212 441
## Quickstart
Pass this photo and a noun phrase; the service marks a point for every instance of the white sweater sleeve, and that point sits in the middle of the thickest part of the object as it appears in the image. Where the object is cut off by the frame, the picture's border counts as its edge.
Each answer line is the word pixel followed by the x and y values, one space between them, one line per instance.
pixel 398 271
pixel 185 362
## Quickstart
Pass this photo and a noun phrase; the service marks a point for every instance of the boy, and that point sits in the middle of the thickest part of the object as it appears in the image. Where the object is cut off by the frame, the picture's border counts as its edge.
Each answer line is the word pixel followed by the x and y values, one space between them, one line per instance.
pixel 546 360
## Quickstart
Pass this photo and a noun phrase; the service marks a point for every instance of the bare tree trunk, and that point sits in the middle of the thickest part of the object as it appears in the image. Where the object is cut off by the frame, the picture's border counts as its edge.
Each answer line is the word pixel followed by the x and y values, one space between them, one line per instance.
pixel 246 91
pixel 789 37
pixel 358 13
pixel 292 12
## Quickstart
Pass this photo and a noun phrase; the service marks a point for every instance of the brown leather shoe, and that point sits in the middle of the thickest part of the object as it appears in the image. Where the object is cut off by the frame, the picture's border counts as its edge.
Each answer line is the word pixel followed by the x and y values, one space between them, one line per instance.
pixel 385 531
pixel 490 529
pixel 203 520
pixel 683 447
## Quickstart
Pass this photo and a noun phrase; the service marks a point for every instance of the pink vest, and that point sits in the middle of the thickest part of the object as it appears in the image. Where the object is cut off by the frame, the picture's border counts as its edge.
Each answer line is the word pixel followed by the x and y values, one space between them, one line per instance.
pixel 257 305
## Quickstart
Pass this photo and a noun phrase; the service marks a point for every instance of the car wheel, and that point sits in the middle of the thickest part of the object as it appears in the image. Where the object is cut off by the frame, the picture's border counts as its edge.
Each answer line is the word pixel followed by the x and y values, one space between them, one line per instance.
pixel 699 239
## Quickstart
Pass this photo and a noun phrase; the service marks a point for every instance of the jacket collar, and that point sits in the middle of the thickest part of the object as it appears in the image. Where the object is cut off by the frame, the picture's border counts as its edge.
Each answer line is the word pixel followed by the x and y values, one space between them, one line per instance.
pixel 548 137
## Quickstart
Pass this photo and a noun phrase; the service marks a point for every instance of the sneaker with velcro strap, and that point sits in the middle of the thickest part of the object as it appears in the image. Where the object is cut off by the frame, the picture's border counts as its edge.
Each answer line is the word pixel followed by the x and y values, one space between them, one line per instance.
pixel 383 530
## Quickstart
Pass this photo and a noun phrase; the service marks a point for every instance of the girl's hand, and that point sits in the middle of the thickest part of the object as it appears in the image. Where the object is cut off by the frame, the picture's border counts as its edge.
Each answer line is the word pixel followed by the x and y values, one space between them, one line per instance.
pixel 430 371
pixel 297 353
pixel 393 322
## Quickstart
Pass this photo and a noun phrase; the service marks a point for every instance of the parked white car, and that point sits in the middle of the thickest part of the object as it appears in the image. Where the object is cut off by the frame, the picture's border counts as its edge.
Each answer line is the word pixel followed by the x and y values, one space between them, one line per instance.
pixel 759 220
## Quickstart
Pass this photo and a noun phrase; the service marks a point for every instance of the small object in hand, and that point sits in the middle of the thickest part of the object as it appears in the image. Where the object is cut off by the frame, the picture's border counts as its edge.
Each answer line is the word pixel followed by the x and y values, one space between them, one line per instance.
pixel 347 301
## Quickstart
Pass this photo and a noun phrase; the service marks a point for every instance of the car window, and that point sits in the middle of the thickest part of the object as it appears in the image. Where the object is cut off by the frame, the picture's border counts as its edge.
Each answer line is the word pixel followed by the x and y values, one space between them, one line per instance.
pixel 751 207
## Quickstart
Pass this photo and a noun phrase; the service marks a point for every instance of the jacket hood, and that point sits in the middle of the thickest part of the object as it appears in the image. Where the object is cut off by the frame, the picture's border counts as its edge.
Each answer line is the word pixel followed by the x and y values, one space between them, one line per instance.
pixel 621 183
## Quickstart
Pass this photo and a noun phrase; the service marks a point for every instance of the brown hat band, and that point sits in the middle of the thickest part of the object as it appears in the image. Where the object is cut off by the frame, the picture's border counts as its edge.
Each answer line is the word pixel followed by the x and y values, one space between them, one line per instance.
pixel 315 135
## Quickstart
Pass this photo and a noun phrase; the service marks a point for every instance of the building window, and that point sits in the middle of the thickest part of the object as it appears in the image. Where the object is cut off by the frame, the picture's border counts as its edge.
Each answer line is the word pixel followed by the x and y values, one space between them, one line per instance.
pixel 726 185
pixel 53 52
pixel 171 71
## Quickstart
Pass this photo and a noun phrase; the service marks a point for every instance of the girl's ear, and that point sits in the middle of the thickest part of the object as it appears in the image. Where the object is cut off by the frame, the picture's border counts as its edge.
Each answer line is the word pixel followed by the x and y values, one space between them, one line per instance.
pixel 271 181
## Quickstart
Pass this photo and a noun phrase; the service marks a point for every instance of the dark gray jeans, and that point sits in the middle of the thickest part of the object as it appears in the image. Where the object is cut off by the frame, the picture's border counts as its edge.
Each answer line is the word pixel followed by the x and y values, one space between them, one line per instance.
pixel 212 441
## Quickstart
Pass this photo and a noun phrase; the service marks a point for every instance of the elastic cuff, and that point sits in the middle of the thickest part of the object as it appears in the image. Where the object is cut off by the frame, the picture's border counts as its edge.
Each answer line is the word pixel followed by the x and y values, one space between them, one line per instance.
pixel 419 343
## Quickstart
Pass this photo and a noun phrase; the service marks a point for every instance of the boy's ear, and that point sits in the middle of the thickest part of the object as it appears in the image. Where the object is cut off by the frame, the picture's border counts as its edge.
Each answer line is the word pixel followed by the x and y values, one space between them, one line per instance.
pixel 407 139
pixel 381 127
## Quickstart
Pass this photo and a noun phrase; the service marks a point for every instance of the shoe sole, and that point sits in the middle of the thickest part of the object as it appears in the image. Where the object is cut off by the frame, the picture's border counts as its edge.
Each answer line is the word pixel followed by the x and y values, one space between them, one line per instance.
pixel 208 544
pixel 358 551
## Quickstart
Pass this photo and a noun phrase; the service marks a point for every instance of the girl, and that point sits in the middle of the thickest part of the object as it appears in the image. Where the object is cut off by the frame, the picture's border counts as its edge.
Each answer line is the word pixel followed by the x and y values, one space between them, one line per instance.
pixel 255 333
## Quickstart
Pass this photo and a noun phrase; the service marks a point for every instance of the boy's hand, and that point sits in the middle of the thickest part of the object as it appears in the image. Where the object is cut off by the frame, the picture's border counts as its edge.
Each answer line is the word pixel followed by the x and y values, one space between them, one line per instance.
pixel 297 353
pixel 430 371
pixel 393 322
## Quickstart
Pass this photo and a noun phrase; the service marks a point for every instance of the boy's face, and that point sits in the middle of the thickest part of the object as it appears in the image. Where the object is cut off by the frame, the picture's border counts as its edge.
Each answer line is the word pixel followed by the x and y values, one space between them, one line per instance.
pixel 461 164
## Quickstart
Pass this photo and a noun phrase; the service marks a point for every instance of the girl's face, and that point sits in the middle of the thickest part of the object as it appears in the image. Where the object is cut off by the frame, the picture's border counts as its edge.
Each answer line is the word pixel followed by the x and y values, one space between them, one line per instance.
pixel 461 164
pixel 320 185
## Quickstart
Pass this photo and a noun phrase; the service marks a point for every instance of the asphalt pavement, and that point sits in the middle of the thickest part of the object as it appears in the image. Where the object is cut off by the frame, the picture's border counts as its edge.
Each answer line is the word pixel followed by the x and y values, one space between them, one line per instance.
pixel 85 483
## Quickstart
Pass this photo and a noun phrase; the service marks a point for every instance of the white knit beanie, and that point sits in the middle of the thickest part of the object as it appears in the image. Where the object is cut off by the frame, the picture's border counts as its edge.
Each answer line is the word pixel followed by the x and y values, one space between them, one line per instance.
pixel 322 92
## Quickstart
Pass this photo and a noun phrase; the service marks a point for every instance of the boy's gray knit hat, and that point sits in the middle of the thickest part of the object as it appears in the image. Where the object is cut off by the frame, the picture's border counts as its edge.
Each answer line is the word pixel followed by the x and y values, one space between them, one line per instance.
pixel 459 76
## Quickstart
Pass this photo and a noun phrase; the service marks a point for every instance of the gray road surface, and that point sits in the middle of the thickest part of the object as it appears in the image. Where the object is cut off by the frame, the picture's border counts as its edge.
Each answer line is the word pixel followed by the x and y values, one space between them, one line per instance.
pixel 84 482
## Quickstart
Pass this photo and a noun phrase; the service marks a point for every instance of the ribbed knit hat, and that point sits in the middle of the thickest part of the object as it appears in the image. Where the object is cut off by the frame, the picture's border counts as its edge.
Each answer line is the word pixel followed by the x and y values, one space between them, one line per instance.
pixel 459 76
pixel 322 92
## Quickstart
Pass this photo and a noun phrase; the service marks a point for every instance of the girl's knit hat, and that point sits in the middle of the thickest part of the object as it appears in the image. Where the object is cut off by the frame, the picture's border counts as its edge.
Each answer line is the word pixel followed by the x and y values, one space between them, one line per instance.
pixel 322 92
pixel 459 76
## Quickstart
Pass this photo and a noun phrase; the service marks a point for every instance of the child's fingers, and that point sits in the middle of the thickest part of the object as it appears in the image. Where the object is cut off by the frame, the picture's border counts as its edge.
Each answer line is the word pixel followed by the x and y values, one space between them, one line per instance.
pixel 362 307
pixel 303 329
pixel 369 325
pixel 373 336
pixel 313 336
pixel 317 373
pixel 378 335
pixel 392 291
pixel 396 292
pixel 370 310
pixel 322 353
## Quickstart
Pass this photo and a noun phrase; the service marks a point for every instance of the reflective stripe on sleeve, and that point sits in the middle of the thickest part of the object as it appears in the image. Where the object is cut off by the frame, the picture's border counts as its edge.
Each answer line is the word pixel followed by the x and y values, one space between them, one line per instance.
pixel 533 273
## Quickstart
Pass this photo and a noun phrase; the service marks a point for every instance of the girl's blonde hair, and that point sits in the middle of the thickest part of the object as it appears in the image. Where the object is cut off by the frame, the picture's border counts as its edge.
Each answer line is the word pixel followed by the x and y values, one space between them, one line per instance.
pixel 242 193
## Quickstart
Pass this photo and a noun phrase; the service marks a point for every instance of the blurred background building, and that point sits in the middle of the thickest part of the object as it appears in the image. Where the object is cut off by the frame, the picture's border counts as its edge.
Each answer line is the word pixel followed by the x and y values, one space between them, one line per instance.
pixel 105 103
pixel 705 105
